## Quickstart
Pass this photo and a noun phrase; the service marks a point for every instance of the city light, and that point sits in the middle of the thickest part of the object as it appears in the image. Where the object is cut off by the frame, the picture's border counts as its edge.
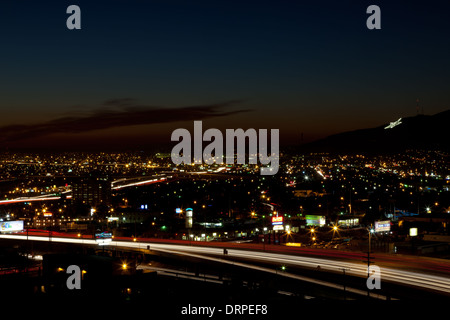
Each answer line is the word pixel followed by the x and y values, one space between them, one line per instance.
pixel 246 216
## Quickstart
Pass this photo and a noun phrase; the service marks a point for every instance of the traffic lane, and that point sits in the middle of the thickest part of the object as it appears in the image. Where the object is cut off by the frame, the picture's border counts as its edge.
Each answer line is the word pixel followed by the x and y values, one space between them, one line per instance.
pixel 415 263
pixel 409 263
pixel 407 278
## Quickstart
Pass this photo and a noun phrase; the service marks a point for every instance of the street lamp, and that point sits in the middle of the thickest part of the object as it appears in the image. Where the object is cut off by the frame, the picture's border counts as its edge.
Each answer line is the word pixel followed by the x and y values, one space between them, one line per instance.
pixel 371 231
pixel 313 235
pixel 335 229
pixel 345 294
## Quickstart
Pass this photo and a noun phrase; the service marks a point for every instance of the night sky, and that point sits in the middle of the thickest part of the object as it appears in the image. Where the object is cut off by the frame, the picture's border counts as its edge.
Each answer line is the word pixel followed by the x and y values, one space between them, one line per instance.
pixel 137 70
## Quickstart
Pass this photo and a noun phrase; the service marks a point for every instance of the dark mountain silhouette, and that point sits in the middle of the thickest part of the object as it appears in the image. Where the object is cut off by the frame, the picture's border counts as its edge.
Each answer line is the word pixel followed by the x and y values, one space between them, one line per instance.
pixel 427 132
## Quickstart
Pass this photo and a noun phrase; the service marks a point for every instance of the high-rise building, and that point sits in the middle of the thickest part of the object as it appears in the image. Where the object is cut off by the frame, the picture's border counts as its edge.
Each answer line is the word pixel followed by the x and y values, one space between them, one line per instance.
pixel 92 191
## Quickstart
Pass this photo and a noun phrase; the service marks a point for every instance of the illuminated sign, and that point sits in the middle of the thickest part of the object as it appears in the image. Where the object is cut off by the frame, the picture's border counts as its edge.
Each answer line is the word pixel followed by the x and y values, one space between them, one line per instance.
pixel 178 210
pixel 277 220
pixel 293 244
pixel 349 222
pixel 48 214
pixel 11 226
pixel 103 235
pixel 313 220
pixel 383 226
pixel 278 227
pixel 412 232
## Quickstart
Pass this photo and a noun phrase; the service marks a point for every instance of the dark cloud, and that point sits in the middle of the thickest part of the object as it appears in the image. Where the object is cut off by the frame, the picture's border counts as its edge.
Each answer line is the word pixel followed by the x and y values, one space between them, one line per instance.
pixel 113 114
pixel 121 102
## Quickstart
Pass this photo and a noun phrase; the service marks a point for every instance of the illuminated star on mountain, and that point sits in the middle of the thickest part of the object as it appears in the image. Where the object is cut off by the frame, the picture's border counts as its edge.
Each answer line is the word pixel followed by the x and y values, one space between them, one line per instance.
pixel 394 124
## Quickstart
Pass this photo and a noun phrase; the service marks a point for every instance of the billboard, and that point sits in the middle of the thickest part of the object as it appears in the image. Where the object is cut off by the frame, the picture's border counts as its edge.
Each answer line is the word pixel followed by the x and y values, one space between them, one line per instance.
pixel 313 220
pixel 349 222
pixel 103 238
pixel 383 226
pixel 11 226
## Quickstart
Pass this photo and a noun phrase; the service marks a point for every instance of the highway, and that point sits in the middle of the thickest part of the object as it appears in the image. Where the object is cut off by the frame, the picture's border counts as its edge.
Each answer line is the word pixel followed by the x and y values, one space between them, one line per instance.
pixel 115 185
pixel 424 279
pixel 139 182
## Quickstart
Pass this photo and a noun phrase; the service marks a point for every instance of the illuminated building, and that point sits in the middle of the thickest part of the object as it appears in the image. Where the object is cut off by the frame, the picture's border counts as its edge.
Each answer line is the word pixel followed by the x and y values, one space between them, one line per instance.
pixel 92 191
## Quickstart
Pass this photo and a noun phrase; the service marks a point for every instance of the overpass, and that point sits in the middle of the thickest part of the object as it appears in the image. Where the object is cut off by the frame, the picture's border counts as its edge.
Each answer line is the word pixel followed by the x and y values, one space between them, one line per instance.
pixel 419 273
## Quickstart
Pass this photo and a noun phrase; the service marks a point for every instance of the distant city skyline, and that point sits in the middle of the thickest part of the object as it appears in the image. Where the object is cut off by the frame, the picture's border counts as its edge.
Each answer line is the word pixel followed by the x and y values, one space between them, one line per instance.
pixel 137 70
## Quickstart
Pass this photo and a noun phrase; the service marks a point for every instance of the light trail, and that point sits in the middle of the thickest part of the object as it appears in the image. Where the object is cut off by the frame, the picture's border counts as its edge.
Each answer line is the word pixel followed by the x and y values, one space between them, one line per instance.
pixel 139 183
pixel 24 199
pixel 409 278
pixel 51 197
pixel 283 274
pixel 320 172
